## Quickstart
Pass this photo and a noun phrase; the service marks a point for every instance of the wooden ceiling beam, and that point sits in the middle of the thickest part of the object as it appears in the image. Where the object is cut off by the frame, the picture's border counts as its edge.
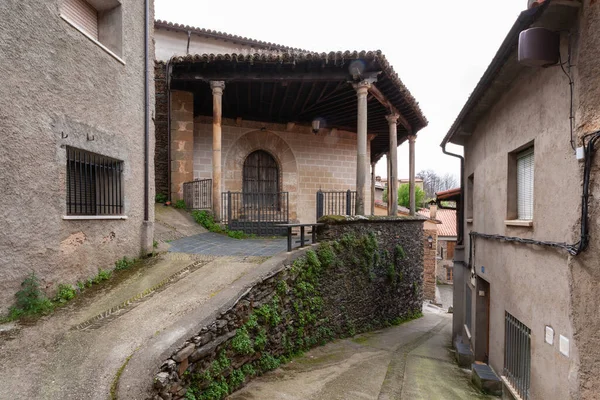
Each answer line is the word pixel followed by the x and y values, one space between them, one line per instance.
pixel 388 105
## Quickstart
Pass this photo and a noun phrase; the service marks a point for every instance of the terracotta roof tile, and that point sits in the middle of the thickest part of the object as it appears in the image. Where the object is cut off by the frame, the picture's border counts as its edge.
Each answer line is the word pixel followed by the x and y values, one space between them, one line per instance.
pixel 221 35
pixel 447 217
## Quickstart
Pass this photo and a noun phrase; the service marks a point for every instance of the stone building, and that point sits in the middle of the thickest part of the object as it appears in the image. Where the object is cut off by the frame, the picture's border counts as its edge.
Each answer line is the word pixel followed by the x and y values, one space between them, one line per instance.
pixel 446 240
pixel 526 265
pixel 72 117
pixel 262 128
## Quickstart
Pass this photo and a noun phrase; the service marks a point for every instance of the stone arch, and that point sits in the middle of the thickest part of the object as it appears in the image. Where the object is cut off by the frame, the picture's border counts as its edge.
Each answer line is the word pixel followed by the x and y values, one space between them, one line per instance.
pixel 274 145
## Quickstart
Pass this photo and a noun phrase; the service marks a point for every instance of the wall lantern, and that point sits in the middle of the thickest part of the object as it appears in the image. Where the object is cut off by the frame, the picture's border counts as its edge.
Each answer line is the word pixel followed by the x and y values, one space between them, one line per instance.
pixel 316 124
pixel 430 241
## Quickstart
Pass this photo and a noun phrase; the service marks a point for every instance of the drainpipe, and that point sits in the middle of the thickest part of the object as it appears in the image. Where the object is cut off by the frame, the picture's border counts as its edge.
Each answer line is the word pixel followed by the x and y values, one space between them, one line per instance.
pixel 461 206
pixel 146 111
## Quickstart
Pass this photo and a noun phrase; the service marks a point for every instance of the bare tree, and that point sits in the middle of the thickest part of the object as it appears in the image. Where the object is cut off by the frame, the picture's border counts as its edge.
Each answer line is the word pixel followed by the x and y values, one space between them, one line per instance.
pixel 433 183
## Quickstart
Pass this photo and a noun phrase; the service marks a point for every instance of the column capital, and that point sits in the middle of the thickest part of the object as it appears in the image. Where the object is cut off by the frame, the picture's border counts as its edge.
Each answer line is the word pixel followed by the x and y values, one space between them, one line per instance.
pixel 363 86
pixel 217 86
pixel 412 138
pixel 392 119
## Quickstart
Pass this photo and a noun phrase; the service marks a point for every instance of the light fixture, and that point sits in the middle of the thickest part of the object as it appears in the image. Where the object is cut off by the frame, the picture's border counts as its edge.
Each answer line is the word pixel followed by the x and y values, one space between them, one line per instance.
pixel 430 241
pixel 315 125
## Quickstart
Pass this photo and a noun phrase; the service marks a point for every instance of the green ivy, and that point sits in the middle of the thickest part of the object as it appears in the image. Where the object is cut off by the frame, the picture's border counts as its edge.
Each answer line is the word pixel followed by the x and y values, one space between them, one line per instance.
pixel 241 343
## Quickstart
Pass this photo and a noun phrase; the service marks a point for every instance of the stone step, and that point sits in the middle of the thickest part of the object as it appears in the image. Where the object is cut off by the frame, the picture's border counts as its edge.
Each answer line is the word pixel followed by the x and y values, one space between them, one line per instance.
pixel 464 355
pixel 484 378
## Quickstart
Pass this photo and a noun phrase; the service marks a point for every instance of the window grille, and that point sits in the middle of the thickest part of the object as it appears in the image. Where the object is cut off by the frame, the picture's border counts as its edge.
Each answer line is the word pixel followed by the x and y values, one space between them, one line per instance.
pixel 81 14
pixel 525 184
pixel 94 184
pixel 517 355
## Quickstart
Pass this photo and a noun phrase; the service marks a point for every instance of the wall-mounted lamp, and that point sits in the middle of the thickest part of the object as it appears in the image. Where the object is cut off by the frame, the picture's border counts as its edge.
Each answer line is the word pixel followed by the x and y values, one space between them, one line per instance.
pixel 316 124
pixel 430 241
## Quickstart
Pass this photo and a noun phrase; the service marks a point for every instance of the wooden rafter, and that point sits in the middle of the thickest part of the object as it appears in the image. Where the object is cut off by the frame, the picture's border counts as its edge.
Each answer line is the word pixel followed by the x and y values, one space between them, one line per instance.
pixel 387 104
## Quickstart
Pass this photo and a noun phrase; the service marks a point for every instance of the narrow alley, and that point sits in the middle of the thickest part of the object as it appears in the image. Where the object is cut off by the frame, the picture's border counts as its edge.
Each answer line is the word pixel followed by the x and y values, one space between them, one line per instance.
pixel 410 361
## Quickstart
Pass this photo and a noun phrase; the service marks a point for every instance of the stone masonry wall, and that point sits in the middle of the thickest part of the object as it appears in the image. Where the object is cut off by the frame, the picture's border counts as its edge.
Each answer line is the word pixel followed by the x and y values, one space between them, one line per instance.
pixel 307 162
pixel 429 265
pixel 161 159
pixel 365 275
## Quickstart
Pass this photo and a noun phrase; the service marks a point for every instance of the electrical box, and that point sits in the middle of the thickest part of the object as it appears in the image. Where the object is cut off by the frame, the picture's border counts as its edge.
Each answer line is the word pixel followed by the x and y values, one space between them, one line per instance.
pixel 539 47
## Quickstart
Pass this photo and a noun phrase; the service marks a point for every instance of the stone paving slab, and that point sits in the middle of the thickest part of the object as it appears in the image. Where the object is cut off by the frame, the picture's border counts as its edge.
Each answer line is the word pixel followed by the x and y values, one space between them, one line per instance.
pixel 215 244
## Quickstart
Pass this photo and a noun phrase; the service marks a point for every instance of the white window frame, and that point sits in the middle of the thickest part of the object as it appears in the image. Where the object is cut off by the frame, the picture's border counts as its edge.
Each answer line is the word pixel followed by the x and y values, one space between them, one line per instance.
pixel 525 184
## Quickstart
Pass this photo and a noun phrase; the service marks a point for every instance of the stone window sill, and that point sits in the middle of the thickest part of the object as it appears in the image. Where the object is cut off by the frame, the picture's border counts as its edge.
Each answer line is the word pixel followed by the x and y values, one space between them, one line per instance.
pixel 469 220
pixel 103 47
pixel 519 222
pixel 93 217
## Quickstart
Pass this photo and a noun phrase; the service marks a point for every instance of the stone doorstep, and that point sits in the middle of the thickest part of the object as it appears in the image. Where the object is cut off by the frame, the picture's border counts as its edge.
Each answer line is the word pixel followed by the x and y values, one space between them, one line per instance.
pixel 464 355
pixel 485 379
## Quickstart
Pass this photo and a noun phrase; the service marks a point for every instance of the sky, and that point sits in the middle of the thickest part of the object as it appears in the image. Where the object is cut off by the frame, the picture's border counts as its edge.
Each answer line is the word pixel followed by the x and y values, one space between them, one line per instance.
pixel 439 48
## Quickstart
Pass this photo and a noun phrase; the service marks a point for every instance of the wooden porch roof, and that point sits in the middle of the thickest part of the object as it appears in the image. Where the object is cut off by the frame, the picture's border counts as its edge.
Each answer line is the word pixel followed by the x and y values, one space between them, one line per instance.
pixel 299 87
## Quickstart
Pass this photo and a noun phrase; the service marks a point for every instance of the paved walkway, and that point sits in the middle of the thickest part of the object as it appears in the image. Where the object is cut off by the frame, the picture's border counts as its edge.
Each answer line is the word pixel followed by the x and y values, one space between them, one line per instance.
pixel 411 361
pixel 216 244
pixel 77 352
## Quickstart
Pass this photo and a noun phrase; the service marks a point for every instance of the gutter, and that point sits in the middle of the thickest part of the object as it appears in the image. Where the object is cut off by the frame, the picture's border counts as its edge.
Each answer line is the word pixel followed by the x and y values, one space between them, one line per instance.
pixel 146 111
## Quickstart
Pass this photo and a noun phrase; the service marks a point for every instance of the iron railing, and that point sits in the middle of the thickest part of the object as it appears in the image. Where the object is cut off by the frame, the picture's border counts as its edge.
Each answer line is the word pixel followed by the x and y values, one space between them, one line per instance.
pixel 336 203
pixel 197 194
pixel 256 213
pixel 517 355
pixel 94 184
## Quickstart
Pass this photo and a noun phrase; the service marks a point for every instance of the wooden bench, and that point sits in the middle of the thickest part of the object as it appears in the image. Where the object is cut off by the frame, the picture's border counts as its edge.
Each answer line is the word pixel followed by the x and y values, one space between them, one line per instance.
pixel 302 240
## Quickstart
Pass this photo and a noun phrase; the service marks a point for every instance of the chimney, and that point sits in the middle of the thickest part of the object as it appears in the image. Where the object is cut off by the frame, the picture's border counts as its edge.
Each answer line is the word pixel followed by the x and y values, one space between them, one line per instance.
pixel 432 210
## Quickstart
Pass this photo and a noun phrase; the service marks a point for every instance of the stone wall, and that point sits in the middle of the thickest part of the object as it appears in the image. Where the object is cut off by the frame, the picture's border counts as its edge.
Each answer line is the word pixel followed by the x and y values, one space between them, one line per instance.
pixel 365 276
pixel 429 264
pixel 307 162
pixel 161 123
pixel 444 263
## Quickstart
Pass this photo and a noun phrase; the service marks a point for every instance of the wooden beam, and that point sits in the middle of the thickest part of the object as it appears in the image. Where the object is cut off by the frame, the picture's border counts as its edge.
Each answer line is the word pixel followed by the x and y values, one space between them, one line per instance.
pixel 387 104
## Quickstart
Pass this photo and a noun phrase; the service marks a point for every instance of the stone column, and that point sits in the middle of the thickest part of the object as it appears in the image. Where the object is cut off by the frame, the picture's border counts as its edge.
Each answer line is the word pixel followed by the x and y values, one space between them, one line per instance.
pixel 411 172
pixel 362 89
pixel 182 142
pixel 217 91
pixel 372 188
pixel 388 173
pixel 393 178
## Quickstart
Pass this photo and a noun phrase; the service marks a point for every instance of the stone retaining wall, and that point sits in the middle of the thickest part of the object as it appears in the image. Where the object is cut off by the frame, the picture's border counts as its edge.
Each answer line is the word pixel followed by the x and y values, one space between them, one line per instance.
pixel 364 276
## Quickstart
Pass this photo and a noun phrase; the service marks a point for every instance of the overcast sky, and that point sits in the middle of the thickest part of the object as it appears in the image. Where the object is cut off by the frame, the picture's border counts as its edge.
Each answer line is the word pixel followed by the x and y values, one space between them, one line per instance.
pixel 439 48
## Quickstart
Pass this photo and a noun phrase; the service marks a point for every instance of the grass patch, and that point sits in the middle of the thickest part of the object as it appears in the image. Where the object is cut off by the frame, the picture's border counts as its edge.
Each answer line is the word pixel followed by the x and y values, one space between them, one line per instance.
pixel 207 220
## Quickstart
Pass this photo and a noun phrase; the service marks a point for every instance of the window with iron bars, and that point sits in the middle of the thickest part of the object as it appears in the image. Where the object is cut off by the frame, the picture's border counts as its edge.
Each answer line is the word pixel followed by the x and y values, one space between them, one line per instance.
pixel 517 355
pixel 94 184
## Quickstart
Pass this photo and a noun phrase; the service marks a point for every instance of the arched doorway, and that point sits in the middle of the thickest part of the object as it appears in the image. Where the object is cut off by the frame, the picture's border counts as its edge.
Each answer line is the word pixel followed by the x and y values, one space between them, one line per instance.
pixel 260 176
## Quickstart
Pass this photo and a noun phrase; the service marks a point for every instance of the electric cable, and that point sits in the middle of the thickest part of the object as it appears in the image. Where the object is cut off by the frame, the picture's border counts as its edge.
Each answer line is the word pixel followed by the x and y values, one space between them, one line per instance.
pixel 572 249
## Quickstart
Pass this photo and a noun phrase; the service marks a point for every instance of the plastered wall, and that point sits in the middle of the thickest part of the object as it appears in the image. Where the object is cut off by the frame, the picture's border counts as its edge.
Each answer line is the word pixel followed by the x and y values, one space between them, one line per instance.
pixel 61 89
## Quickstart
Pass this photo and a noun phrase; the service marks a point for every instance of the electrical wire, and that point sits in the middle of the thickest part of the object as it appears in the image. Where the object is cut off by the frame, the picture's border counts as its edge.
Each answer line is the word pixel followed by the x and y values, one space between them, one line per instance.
pixel 572 249
pixel 571 84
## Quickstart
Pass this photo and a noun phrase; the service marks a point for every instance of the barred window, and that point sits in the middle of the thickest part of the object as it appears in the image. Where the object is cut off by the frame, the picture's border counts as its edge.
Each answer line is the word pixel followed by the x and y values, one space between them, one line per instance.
pixel 94 184
pixel 517 355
